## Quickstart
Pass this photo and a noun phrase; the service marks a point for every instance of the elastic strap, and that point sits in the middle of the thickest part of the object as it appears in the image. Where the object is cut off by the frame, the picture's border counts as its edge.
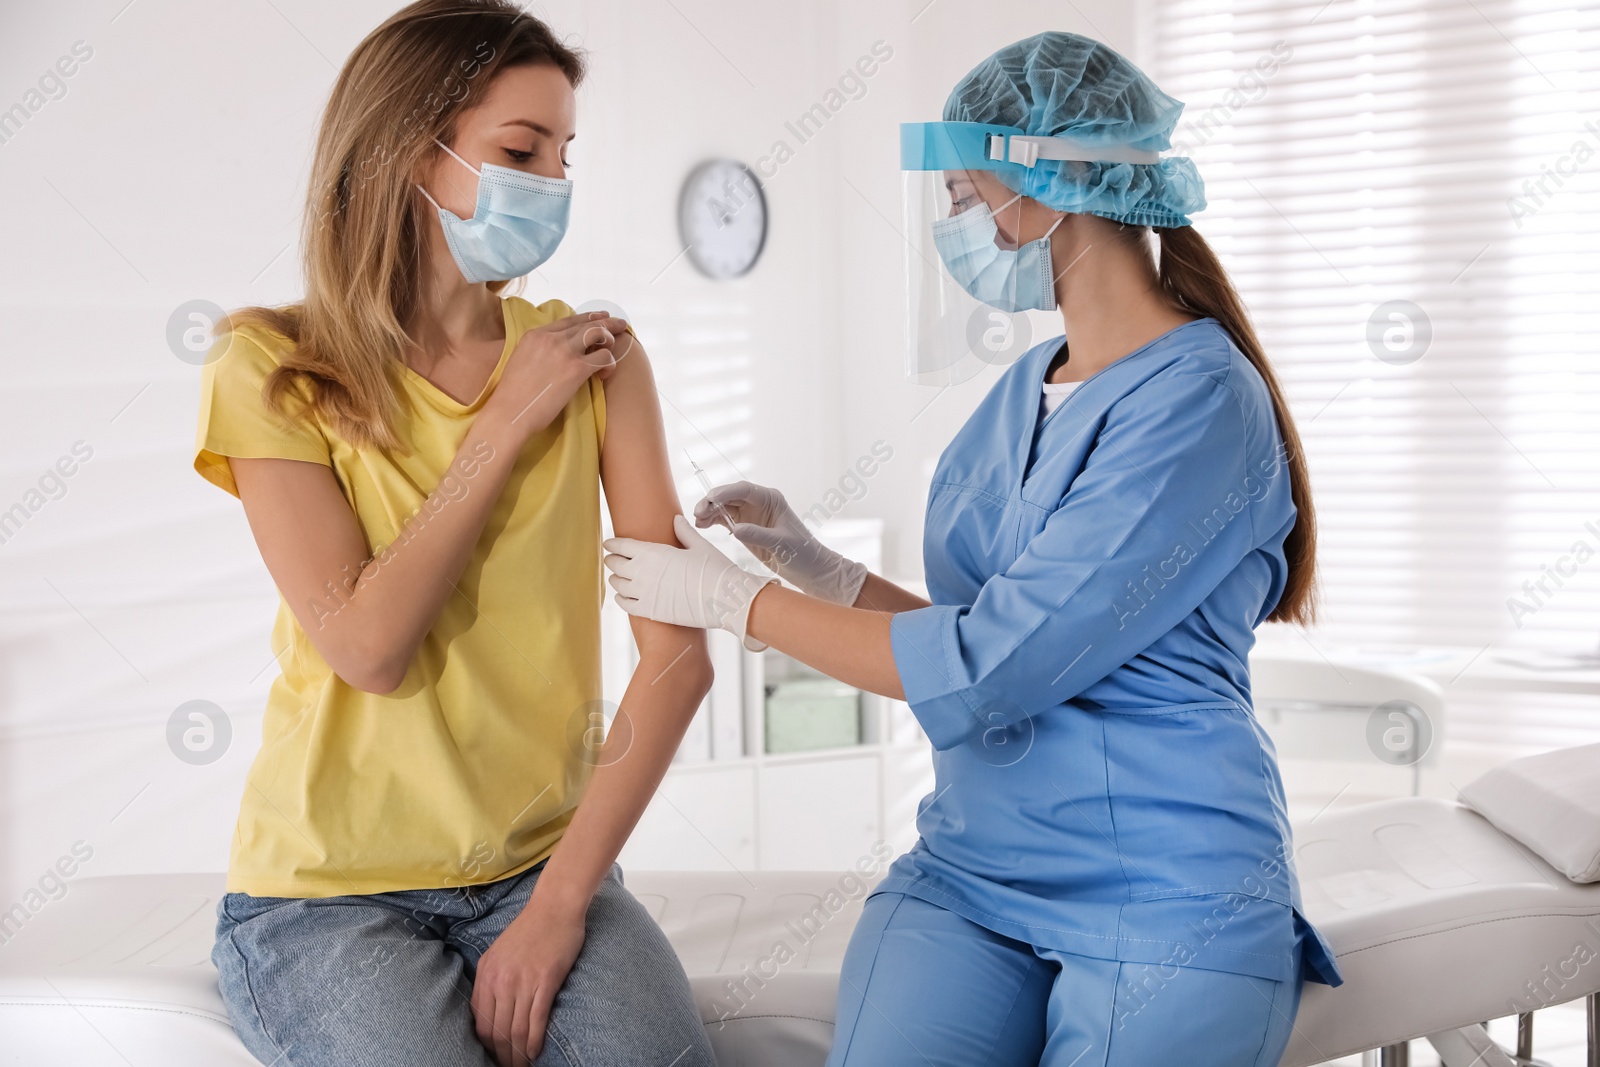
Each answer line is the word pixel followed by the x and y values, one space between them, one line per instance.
pixel 1048 232
pixel 457 158
pixel 1028 150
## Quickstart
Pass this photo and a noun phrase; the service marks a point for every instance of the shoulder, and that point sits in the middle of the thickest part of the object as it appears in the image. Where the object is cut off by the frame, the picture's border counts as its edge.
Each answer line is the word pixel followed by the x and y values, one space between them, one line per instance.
pixel 1196 401
pixel 1203 366
pixel 251 345
pixel 241 361
pixel 1206 395
pixel 1182 406
pixel 526 315
pixel 244 356
pixel 1198 349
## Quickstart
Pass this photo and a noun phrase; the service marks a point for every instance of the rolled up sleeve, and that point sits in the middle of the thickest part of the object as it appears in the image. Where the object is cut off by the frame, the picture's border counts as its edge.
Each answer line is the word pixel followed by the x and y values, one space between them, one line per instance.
pixel 1158 516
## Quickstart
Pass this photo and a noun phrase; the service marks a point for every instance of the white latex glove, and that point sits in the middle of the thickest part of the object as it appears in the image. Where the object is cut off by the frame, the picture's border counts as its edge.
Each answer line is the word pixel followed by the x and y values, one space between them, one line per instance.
pixel 764 523
pixel 690 586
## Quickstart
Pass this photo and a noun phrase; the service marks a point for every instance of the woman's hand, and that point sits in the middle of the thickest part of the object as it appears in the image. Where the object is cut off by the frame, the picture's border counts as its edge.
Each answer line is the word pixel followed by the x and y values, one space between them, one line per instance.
pixel 519 977
pixel 764 523
pixel 548 366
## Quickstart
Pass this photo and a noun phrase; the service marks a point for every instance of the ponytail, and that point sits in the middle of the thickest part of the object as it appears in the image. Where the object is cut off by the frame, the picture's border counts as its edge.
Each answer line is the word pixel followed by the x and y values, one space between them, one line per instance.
pixel 1194 279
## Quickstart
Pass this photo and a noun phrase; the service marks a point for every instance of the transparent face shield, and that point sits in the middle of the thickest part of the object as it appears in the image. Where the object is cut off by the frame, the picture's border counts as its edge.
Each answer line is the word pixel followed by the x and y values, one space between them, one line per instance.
pixel 969 279
pixel 980 281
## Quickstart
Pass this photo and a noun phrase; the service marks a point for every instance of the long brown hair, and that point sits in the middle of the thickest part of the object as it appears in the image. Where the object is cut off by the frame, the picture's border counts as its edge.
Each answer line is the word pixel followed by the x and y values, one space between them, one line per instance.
pixel 1195 280
pixel 403 86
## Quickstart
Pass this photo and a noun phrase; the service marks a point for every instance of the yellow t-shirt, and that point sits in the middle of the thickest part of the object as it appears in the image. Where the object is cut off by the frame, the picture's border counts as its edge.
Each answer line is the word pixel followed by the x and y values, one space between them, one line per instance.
pixel 470 771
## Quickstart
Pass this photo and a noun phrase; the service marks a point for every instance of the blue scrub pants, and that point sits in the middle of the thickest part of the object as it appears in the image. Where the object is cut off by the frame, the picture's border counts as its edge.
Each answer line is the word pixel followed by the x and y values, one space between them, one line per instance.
pixel 924 986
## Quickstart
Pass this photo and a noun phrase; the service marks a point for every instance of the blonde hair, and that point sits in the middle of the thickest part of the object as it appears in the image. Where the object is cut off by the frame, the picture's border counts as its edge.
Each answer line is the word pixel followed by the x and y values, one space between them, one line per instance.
pixel 402 87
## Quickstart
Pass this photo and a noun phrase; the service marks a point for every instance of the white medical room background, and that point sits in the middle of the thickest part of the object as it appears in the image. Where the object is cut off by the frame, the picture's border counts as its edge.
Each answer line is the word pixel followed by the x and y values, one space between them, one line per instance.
pixel 1423 276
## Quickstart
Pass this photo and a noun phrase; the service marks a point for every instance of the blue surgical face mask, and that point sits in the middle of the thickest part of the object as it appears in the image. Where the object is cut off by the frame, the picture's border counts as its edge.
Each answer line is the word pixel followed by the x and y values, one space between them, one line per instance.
pixel 1009 279
pixel 517 223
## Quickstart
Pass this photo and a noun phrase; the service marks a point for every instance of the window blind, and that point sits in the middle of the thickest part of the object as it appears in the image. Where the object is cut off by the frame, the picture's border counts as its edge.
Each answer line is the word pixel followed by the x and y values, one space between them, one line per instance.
pixel 1406 194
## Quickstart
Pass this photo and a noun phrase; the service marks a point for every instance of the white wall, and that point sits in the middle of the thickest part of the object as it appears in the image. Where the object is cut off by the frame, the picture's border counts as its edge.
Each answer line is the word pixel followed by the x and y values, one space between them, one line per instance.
pixel 172 169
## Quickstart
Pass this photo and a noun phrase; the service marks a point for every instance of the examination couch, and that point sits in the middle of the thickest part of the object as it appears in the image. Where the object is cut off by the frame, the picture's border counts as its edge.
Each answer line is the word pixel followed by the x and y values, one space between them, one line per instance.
pixel 1442 915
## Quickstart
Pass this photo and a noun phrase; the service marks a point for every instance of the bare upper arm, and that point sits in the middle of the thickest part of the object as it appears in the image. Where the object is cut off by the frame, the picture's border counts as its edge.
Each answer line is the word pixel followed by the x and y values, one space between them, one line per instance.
pixel 642 497
pixel 633 461
pixel 305 530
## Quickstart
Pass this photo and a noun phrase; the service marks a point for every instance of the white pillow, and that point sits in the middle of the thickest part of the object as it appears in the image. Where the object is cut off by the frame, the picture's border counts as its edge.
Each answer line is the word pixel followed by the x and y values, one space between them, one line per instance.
pixel 1549 802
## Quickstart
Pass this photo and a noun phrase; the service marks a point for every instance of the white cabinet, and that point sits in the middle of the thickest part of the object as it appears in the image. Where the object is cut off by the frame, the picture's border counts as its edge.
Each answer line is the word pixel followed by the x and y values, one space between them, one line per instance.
pixel 820 813
pixel 728 803
pixel 703 818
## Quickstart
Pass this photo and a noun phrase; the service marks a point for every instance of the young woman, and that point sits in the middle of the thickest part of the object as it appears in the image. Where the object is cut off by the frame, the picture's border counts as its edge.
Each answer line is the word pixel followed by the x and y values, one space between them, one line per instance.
pixel 423 871
pixel 1104 875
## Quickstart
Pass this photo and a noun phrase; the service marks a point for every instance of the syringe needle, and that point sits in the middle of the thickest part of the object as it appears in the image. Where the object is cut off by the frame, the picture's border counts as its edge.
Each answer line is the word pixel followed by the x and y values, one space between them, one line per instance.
pixel 705 483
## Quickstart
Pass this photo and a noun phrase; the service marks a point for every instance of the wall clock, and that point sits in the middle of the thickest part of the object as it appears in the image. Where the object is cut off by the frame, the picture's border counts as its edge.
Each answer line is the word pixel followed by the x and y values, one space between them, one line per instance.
pixel 722 218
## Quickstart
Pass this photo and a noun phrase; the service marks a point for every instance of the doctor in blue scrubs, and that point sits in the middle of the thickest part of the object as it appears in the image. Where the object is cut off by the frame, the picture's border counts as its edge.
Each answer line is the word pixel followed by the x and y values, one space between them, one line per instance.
pixel 1104 874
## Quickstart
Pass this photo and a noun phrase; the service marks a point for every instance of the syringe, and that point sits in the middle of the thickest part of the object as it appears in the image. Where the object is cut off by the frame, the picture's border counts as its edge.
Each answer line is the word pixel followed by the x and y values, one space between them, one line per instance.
pixel 705 483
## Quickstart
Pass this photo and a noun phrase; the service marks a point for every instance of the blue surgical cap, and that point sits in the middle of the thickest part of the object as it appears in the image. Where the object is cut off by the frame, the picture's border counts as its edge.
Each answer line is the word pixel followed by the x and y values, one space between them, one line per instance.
pixel 1067 85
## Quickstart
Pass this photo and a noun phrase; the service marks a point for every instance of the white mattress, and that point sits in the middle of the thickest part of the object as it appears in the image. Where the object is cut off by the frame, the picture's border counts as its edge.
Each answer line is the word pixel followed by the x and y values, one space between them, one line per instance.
pixel 1437 918
pixel 1438 921
pixel 727 929
pixel 119 971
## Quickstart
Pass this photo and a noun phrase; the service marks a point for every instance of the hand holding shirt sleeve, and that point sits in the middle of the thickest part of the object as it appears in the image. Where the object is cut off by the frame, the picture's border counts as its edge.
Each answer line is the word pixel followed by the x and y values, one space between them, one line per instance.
pixel 1159 515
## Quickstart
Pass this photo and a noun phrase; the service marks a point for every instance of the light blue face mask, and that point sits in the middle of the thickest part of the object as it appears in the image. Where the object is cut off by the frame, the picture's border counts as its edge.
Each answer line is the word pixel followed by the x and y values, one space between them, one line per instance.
pixel 1016 279
pixel 517 223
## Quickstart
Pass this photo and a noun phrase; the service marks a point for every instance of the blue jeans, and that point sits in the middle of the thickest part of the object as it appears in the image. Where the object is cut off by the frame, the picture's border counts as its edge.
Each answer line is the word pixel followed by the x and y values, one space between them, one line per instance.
pixel 386 980
pixel 925 987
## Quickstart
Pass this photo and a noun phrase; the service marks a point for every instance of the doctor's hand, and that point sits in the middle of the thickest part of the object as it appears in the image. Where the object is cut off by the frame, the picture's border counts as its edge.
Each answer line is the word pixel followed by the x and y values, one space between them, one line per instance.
pixel 690 586
pixel 764 523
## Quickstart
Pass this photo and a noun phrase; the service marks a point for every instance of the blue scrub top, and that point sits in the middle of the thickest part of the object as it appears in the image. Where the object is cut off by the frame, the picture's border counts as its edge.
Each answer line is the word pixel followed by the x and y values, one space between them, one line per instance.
pixel 1101 785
